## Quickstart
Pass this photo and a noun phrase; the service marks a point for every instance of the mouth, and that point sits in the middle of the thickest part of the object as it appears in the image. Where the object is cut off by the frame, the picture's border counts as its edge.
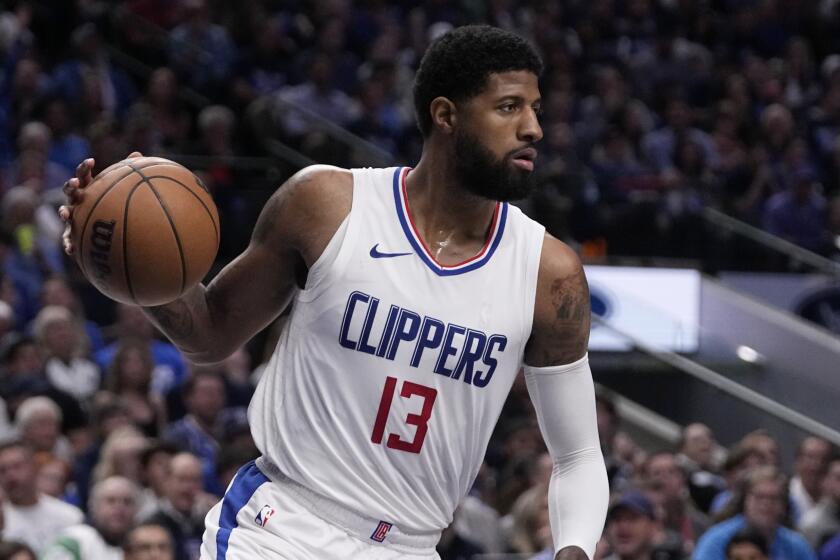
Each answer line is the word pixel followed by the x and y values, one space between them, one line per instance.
pixel 525 158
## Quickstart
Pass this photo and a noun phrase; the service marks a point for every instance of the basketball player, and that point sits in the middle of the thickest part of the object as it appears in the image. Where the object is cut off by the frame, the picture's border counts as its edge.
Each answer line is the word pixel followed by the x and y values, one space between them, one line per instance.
pixel 416 296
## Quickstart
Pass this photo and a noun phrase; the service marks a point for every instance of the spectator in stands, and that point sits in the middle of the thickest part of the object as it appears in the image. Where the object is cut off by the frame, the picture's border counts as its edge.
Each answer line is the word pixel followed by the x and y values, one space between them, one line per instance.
pixel 156 463
pixel 810 464
pixel 170 368
pixel 633 531
pixel 204 398
pixel 680 513
pixel 38 421
pixel 318 95
pixel 113 505
pixel 24 377
pixel 121 455
pixel 149 541
pixel 765 444
pixel 91 63
pixel 108 415
pixel 740 459
pixel 56 291
pixel 53 479
pixel 698 461
pixel 659 146
pixel 747 545
pixel 30 516
pixel 822 522
pixel 171 119
pixel 527 518
pixel 67 147
pixel 65 346
pixel 799 213
pixel 185 506
pixel 264 66
pixel 761 505
pixel 130 379
pixel 201 52
pixel 12 550
pixel 33 166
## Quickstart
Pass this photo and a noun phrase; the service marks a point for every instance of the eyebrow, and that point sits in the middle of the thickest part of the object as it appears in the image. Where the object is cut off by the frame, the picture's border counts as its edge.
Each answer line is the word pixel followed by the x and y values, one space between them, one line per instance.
pixel 517 98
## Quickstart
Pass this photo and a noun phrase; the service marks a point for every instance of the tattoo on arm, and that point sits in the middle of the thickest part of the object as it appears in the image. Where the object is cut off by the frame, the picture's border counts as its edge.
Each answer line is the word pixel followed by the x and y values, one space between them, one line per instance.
pixel 570 299
pixel 564 333
pixel 175 319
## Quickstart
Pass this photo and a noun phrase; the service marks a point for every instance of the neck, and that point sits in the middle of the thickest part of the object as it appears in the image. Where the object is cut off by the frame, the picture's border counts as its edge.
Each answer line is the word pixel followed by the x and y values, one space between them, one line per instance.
pixel 27 500
pixel 444 210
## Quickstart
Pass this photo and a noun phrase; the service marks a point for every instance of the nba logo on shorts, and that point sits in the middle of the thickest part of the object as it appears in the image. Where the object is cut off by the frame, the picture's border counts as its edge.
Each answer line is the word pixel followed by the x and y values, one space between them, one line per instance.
pixel 264 515
pixel 381 531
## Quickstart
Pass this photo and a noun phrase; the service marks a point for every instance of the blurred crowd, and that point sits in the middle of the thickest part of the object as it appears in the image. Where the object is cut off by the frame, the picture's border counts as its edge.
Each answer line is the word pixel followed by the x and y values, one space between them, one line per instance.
pixel 654 111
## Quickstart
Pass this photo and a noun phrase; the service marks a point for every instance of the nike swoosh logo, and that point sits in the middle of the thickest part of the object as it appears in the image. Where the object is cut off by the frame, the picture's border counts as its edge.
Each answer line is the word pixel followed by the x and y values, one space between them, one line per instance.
pixel 376 254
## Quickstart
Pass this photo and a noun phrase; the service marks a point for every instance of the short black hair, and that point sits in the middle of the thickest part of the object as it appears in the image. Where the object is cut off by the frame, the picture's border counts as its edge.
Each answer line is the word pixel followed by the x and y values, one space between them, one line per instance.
pixel 457 65
pixel 748 535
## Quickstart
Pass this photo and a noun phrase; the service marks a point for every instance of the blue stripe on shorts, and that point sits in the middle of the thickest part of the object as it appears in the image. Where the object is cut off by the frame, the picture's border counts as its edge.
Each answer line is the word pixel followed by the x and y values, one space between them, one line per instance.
pixel 248 479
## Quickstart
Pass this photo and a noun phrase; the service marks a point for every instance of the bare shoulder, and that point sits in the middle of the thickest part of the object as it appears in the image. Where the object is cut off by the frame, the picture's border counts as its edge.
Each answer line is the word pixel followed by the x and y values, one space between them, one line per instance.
pixel 305 212
pixel 560 332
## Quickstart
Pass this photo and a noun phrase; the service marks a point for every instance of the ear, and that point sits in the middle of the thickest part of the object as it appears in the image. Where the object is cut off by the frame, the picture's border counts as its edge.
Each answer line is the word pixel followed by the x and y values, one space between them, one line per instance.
pixel 444 114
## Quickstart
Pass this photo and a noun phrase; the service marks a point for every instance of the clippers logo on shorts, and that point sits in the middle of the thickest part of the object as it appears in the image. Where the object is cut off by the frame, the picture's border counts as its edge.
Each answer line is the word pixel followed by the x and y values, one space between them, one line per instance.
pixel 381 531
pixel 264 515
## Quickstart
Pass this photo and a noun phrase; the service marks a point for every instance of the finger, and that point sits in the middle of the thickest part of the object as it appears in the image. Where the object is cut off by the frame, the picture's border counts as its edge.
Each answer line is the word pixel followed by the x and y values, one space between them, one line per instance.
pixel 134 155
pixel 84 172
pixel 65 241
pixel 64 213
pixel 72 191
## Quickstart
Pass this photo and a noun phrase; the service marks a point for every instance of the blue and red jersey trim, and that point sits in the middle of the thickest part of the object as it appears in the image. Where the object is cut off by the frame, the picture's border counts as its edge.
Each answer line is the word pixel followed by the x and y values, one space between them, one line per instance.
pixel 497 228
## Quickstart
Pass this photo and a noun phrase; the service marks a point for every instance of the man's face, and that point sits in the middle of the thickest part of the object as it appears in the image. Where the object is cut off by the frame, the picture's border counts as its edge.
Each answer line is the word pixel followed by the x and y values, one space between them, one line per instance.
pixel 149 543
pixel 115 509
pixel 764 505
pixel 811 460
pixel 184 482
pixel 17 477
pixel 495 134
pixel 663 467
pixel 207 398
pixel 699 444
pixel 629 532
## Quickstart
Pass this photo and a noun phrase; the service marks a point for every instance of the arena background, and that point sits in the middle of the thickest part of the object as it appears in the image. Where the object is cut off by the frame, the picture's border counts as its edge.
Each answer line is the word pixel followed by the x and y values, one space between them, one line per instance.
pixel 691 157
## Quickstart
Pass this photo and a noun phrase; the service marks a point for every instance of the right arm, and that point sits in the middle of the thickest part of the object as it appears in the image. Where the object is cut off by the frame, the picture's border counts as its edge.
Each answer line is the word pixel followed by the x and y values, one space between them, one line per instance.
pixel 209 322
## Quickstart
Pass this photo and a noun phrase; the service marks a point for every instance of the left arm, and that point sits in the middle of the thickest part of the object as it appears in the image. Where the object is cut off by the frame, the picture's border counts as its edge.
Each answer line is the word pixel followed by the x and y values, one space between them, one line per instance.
pixel 561 388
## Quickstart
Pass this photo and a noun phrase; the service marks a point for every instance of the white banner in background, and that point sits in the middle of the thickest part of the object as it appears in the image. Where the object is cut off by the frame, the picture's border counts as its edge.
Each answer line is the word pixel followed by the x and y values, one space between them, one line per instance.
pixel 659 306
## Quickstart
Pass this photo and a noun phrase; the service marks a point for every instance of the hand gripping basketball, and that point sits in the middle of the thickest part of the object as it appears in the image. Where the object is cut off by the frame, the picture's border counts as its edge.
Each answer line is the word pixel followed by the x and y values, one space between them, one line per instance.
pixel 143 231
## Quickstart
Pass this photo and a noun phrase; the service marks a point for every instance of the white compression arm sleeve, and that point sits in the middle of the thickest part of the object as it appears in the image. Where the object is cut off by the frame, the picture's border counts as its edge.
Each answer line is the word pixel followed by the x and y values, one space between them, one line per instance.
pixel 564 398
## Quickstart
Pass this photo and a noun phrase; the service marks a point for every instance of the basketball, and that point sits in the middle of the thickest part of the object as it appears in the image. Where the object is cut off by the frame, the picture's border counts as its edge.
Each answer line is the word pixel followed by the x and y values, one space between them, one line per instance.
pixel 145 231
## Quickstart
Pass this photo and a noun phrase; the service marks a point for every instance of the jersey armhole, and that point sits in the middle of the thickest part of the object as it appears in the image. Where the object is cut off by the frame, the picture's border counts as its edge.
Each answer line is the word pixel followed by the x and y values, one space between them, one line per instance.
pixel 330 265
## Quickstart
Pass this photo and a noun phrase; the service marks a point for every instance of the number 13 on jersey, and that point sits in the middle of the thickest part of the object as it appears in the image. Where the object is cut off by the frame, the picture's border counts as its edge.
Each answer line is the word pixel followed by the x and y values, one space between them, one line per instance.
pixel 421 421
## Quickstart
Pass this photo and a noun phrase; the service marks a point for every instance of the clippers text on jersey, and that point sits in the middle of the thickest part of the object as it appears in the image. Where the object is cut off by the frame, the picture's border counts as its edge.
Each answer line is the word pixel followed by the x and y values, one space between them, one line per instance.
pixel 454 351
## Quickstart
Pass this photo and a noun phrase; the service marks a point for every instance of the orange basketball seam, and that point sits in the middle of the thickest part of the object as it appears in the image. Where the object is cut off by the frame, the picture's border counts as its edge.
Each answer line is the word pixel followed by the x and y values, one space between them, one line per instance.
pixel 125 236
pixel 171 225
pixel 175 233
pixel 198 198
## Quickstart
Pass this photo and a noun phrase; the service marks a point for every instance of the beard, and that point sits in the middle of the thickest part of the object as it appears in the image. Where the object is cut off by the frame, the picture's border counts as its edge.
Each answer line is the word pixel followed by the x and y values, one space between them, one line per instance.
pixel 482 174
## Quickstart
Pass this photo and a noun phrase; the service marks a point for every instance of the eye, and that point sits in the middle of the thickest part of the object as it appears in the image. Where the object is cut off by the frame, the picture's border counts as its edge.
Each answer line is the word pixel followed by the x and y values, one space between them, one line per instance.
pixel 538 111
pixel 508 108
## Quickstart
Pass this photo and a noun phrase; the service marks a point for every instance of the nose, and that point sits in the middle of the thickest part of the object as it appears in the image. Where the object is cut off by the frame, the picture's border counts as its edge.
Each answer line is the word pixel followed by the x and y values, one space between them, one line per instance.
pixel 529 127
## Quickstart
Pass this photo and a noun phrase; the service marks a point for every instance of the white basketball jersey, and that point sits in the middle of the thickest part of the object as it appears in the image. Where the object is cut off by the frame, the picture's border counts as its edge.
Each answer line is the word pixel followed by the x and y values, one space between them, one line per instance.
pixel 390 375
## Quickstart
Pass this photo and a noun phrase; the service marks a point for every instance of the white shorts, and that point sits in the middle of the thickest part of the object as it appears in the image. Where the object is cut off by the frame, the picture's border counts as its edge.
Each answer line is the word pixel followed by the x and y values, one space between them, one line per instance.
pixel 279 520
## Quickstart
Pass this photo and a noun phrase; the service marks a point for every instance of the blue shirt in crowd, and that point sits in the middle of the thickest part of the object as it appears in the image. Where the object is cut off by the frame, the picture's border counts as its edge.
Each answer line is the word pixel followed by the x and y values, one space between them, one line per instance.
pixel 788 545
